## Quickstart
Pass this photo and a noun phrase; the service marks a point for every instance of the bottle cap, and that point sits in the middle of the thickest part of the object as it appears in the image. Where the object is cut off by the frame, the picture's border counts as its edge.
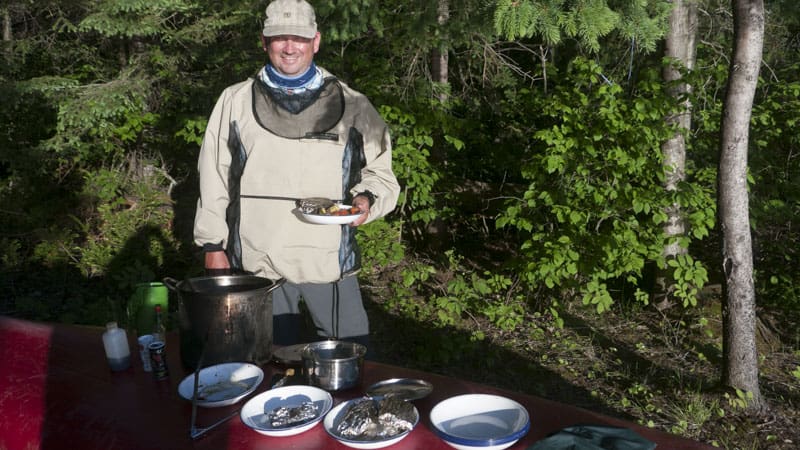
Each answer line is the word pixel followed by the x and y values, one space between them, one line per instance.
pixel 111 325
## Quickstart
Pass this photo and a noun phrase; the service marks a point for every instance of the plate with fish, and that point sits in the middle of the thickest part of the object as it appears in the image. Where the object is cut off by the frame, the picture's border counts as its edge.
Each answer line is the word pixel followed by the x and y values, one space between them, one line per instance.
pixel 222 384
pixel 287 410
pixel 322 211
pixel 371 422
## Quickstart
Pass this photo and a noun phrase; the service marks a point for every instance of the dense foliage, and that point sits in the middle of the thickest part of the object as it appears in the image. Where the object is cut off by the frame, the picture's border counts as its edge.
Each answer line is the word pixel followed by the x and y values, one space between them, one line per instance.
pixel 534 182
pixel 107 103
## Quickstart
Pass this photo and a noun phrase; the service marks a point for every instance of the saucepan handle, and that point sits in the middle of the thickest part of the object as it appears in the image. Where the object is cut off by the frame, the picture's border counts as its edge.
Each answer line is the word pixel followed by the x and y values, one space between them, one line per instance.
pixel 171 283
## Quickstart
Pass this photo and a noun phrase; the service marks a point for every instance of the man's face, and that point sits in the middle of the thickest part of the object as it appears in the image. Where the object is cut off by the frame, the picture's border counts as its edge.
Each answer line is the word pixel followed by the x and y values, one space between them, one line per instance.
pixel 291 55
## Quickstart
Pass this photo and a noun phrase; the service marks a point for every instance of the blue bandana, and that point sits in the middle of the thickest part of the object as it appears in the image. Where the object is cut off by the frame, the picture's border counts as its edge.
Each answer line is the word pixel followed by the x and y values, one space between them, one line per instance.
pixel 291 82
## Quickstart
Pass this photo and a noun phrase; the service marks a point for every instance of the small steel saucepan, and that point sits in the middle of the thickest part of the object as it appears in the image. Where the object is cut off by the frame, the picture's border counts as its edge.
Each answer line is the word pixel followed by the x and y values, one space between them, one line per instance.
pixel 333 365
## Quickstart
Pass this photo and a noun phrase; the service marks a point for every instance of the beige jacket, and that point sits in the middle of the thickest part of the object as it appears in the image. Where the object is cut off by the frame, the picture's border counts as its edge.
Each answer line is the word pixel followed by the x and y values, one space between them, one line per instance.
pixel 276 242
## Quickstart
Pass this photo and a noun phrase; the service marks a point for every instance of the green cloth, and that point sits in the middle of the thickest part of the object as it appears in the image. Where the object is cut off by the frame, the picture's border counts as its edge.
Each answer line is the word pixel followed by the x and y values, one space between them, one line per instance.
pixel 594 437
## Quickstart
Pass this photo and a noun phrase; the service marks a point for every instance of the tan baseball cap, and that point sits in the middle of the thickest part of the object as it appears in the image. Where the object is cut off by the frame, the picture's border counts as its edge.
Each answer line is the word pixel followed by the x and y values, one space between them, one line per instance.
pixel 290 17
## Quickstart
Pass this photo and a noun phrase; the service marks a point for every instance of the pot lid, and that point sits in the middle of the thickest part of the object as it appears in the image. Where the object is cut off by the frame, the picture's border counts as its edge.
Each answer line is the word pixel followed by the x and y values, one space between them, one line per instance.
pixel 290 354
pixel 405 388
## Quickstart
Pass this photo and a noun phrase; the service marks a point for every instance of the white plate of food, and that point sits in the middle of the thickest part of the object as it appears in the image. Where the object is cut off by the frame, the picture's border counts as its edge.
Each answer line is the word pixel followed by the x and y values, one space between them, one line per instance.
pixel 337 214
pixel 287 410
pixel 222 384
pixel 389 420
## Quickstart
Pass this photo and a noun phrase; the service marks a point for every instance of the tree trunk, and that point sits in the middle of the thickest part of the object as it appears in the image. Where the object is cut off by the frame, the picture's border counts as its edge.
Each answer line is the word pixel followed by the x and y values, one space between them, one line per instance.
pixel 680 49
pixel 740 354
pixel 439 55
pixel 7 36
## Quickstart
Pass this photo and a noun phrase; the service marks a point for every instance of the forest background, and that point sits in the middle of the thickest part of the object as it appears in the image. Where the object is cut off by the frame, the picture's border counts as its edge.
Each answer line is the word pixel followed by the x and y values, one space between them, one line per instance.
pixel 530 233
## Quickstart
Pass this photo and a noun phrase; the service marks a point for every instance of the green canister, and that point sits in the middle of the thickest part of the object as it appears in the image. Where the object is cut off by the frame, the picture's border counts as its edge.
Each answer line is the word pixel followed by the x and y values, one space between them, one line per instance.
pixel 145 298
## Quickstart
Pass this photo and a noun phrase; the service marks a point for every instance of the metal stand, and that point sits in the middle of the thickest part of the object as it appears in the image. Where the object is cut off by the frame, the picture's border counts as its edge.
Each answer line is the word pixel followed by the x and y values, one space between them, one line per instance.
pixel 194 431
pixel 197 432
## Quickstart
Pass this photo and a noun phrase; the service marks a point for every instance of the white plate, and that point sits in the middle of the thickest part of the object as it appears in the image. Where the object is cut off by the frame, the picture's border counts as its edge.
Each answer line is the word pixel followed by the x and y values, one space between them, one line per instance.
pixel 480 421
pixel 254 412
pixel 222 384
pixel 324 219
pixel 336 415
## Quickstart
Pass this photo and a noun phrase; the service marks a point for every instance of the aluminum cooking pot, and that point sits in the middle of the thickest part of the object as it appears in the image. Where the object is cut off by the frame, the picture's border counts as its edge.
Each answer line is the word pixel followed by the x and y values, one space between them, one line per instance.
pixel 333 365
pixel 225 318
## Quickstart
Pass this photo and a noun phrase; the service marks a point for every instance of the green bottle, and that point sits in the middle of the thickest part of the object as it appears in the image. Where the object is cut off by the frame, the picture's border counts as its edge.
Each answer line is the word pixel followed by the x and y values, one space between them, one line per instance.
pixel 145 298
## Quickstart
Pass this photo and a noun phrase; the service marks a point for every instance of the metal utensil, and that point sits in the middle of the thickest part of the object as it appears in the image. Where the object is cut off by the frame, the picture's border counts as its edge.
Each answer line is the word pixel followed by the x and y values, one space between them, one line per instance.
pixel 288 374
pixel 194 432
pixel 197 432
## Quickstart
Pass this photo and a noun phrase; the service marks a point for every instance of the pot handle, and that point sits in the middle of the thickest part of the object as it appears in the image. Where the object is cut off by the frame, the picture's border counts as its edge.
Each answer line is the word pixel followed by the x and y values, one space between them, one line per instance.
pixel 276 284
pixel 171 283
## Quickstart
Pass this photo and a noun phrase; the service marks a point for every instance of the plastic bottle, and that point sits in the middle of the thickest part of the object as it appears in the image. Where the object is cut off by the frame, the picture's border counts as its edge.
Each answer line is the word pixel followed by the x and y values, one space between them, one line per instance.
pixel 115 341
pixel 159 330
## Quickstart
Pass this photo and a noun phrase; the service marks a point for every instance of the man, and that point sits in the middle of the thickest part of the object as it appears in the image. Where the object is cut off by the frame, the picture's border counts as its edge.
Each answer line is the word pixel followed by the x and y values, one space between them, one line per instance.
pixel 294 132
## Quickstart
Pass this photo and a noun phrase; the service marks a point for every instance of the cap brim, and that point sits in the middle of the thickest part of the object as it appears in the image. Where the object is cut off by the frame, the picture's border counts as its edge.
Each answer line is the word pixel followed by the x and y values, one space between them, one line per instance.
pixel 304 32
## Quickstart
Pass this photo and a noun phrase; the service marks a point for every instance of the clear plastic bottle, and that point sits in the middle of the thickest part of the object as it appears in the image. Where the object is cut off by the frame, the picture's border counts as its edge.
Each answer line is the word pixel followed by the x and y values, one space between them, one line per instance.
pixel 115 342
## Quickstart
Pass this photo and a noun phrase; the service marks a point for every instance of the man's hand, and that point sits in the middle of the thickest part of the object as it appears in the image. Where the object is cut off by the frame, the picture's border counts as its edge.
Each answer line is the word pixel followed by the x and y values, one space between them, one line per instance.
pixel 217 260
pixel 362 202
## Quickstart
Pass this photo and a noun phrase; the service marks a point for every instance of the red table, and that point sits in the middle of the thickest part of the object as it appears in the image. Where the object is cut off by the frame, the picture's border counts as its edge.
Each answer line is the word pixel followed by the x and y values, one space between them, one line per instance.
pixel 57 391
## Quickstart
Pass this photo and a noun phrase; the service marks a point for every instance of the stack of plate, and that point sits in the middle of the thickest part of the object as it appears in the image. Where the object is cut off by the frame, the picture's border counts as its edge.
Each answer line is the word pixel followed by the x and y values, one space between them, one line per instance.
pixel 480 422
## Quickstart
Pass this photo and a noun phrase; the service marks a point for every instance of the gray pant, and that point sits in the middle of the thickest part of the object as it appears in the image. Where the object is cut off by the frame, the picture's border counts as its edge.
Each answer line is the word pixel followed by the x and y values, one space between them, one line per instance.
pixel 336 309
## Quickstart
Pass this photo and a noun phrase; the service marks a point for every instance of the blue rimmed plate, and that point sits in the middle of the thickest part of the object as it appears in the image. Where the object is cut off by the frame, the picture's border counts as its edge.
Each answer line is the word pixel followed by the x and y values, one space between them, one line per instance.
pixel 222 384
pixel 480 421
pixel 255 413
pixel 337 414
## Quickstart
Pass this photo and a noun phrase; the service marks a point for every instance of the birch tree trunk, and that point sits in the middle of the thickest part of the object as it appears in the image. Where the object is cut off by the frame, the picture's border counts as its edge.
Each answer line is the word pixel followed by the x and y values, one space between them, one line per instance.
pixel 740 355
pixel 680 48
pixel 7 36
pixel 439 55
